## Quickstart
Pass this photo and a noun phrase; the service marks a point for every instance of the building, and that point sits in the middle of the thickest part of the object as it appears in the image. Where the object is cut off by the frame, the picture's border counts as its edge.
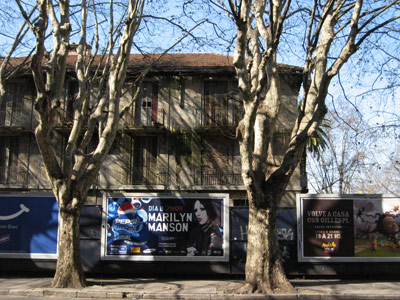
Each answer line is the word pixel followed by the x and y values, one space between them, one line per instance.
pixel 179 136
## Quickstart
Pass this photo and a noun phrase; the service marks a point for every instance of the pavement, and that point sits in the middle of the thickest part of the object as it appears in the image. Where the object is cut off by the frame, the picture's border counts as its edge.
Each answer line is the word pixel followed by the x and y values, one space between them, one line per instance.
pixel 199 289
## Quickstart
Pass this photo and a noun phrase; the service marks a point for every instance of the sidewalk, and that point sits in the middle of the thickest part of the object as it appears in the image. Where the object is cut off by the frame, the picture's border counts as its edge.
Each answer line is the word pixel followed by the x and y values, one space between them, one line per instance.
pixel 199 289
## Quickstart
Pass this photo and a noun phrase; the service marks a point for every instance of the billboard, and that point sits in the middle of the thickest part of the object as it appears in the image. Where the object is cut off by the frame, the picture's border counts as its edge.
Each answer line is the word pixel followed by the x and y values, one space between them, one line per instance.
pixel 187 227
pixel 342 228
pixel 28 226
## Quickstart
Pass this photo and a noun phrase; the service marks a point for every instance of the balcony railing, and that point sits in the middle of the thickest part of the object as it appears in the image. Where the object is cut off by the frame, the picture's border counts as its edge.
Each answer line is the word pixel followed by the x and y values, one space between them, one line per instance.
pixel 13 175
pixel 145 176
pixel 145 117
pixel 202 177
pixel 149 176
pixel 214 177
pixel 129 119
pixel 18 117
pixel 218 117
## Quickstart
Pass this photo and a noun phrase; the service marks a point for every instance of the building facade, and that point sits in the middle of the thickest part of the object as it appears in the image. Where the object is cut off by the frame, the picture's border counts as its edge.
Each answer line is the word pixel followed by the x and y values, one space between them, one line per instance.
pixel 178 136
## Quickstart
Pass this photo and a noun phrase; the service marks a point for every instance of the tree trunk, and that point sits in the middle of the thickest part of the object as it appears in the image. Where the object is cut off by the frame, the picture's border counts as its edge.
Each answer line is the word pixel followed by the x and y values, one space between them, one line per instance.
pixel 69 271
pixel 264 272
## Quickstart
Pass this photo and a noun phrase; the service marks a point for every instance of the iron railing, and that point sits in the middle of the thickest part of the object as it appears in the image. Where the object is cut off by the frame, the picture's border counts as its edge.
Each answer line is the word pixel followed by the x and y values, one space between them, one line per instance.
pixel 146 117
pixel 149 176
pixel 201 176
pixel 17 117
pixel 13 175
pixel 218 117
pixel 213 177
pixel 129 119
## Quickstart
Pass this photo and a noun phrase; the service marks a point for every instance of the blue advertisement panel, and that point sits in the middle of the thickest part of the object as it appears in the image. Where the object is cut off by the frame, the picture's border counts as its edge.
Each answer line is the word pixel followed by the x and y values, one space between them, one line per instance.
pixel 28 226
pixel 166 227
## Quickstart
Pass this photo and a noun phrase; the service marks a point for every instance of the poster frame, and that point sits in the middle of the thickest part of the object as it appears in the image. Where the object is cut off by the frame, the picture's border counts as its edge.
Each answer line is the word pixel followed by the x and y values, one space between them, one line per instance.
pixel 344 197
pixel 149 258
pixel 26 254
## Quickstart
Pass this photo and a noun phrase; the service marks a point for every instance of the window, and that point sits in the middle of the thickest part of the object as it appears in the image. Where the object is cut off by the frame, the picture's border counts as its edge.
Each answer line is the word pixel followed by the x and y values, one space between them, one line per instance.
pixel 215 103
pixel 9 152
pixel 146 106
pixel 145 160
pixel 12 105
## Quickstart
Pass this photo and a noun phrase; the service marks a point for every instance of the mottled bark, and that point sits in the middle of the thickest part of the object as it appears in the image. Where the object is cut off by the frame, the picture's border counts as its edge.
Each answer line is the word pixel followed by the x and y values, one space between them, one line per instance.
pixel 69 272
pixel 264 272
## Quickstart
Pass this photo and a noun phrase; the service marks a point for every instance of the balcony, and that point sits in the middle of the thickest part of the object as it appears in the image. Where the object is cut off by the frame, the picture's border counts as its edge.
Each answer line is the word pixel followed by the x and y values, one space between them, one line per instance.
pixel 146 117
pixel 18 118
pixel 219 117
pixel 13 175
pixel 201 177
pixel 213 177
pixel 129 120
pixel 149 176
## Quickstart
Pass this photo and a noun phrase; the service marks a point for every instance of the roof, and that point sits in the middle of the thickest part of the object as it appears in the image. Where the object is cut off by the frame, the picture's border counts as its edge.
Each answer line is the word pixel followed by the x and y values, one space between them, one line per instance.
pixel 197 63
pixel 185 59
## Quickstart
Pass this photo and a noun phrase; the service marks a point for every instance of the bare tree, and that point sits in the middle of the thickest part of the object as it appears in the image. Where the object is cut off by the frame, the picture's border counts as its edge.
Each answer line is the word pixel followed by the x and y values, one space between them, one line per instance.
pixel 97 108
pixel 361 157
pixel 381 174
pixel 384 177
pixel 338 168
pixel 71 180
pixel 335 31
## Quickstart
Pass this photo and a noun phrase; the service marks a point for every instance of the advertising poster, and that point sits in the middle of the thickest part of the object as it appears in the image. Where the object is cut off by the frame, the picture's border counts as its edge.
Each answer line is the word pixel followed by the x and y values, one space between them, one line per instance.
pixel 177 227
pixel 356 228
pixel 377 228
pixel 28 226
pixel 328 227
